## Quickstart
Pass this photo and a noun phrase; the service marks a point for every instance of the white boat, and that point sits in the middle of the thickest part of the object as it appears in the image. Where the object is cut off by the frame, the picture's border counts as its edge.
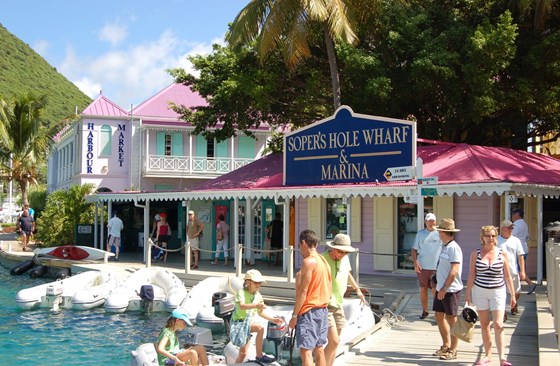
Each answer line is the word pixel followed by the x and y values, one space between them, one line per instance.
pixel 74 252
pixel 82 291
pixel 198 303
pixel 168 291
pixel 360 322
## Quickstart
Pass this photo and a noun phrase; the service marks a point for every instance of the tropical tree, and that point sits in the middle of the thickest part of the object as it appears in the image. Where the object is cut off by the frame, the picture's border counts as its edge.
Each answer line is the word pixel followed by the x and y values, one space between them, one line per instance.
pixel 288 25
pixel 63 211
pixel 25 138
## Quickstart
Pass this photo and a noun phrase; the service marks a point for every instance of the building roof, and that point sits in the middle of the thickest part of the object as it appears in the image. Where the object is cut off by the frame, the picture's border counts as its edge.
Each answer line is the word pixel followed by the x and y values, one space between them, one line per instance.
pixel 158 105
pixel 102 106
pixel 460 168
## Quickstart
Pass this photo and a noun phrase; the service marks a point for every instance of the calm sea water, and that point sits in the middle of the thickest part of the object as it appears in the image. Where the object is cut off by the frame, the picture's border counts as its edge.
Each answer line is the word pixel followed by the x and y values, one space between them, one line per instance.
pixel 67 337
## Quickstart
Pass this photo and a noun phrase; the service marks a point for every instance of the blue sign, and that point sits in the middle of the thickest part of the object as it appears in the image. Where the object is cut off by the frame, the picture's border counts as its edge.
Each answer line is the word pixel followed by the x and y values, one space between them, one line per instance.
pixel 348 148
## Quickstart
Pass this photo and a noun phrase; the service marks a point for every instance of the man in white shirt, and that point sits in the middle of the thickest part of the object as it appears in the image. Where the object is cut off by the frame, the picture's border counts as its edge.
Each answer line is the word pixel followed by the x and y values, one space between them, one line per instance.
pixel 114 226
pixel 514 249
pixel 425 253
pixel 521 231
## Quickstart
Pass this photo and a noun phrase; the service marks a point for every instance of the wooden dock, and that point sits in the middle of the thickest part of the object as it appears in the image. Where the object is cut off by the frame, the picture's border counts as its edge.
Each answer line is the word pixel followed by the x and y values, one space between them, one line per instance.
pixel 412 341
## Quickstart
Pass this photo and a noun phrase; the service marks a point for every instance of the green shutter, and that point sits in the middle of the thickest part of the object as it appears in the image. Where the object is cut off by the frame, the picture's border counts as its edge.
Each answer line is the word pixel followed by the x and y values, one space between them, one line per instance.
pixel 105 141
pixel 245 147
pixel 222 149
pixel 200 146
pixel 160 143
pixel 177 144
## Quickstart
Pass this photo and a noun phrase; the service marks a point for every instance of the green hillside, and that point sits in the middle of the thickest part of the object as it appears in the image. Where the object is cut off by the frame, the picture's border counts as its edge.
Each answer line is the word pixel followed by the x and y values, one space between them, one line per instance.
pixel 22 70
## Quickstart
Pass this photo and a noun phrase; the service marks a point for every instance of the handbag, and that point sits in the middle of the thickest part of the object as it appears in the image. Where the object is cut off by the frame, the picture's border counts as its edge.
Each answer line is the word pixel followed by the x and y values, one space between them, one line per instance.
pixel 464 327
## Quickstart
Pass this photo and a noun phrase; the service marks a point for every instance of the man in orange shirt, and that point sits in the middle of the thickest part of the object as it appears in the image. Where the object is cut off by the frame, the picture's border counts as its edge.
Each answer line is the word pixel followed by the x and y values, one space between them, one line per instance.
pixel 313 293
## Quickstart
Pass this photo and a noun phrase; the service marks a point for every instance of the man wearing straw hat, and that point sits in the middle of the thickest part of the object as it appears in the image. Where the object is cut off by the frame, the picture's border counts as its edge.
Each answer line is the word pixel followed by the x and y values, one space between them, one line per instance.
pixel 448 288
pixel 341 276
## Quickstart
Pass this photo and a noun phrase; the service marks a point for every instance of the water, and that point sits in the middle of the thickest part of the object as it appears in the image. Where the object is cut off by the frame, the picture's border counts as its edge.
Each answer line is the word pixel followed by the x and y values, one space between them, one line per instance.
pixel 68 337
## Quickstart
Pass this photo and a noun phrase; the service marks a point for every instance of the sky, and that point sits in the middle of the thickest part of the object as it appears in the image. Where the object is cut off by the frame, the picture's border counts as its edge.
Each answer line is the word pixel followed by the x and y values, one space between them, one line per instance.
pixel 119 47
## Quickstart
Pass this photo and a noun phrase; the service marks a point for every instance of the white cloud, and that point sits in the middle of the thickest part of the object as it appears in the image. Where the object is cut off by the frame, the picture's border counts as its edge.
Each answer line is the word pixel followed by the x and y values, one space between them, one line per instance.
pixel 130 76
pixel 113 33
pixel 41 47
pixel 88 87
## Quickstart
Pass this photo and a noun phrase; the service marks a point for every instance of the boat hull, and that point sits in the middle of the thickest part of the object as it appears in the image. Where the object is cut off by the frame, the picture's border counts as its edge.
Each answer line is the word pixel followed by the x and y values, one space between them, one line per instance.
pixel 74 252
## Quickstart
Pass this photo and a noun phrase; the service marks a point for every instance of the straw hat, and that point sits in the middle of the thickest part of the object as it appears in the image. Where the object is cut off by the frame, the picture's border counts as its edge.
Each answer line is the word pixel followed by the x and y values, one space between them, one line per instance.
pixel 254 275
pixel 447 225
pixel 342 242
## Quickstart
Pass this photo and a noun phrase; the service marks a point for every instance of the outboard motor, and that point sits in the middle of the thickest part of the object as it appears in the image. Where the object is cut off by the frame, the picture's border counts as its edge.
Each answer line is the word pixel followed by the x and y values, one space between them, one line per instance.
pixel 276 334
pixel 147 296
pixel 224 305
pixel 54 296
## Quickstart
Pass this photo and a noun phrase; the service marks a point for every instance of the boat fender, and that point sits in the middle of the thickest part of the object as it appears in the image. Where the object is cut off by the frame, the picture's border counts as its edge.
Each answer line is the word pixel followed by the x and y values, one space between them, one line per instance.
pixel 62 274
pixel 22 267
pixel 38 272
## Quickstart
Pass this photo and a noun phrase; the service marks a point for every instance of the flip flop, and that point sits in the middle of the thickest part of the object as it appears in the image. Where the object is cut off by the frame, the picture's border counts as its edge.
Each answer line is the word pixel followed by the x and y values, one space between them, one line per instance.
pixel 505 363
pixel 483 361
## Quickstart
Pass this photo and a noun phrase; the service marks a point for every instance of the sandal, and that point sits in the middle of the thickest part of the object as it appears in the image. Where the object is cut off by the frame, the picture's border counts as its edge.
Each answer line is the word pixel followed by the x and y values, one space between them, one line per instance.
pixel 482 362
pixel 440 351
pixel 449 355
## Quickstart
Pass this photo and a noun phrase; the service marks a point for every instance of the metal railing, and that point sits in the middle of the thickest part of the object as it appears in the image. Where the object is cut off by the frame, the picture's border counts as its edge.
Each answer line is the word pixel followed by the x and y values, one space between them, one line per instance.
pixel 553 281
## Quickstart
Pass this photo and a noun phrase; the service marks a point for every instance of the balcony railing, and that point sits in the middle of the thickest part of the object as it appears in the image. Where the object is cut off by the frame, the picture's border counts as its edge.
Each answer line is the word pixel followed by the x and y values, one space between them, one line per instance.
pixel 183 165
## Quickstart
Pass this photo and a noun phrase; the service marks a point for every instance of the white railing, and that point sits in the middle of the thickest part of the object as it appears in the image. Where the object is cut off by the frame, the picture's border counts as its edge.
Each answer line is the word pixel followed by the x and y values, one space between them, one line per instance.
pixel 553 281
pixel 190 165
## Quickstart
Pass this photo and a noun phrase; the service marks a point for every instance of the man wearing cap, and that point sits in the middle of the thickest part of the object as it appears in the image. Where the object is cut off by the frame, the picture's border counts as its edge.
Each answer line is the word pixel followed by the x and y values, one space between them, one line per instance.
pixel 341 276
pixel 425 253
pixel 114 226
pixel 313 293
pixel 521 231
pixel 515 253
pixel 194 229
pixel 448 288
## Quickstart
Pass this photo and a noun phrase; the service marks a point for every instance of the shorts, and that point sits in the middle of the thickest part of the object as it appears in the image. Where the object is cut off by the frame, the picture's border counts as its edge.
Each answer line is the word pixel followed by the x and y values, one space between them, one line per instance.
pixel 424 278
pixel 116 241
pixel 26 232
pixel 164 238
pixel 193 243
pixel 336 317
pixel 489 298
pixel 449 305
pixel 312 328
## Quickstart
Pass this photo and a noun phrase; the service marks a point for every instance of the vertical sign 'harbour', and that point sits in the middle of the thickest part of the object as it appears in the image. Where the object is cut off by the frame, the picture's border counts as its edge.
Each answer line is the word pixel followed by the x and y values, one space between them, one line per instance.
pixel 348 148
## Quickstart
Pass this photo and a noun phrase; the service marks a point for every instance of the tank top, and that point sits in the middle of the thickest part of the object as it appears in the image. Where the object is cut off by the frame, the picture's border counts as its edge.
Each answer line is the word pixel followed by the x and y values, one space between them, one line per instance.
pixel 163 229
pixel 489 276
pixel 320 287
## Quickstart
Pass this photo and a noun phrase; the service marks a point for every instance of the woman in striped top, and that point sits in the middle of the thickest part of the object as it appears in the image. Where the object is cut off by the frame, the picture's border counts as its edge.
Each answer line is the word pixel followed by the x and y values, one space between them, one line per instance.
pixel 486 289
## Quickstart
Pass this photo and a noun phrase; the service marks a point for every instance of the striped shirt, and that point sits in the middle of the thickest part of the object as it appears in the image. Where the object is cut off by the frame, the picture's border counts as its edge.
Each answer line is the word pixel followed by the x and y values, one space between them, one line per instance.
pixel 489 275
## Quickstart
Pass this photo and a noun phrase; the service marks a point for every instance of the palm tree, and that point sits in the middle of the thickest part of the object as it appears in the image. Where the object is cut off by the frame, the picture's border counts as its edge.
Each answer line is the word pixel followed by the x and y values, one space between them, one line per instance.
pixel 25 139
pixel 286 24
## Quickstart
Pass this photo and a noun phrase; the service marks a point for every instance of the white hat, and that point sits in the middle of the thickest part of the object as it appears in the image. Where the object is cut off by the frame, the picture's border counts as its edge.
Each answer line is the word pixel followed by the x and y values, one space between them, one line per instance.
pixel 254 275
pixel 430 216
pixel 342 242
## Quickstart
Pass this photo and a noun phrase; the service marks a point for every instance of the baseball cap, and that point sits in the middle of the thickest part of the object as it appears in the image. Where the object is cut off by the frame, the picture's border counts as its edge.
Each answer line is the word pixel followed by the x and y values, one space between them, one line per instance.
pixel 254 275
pixel 506 223
pixel 430 216
pixel 181 314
